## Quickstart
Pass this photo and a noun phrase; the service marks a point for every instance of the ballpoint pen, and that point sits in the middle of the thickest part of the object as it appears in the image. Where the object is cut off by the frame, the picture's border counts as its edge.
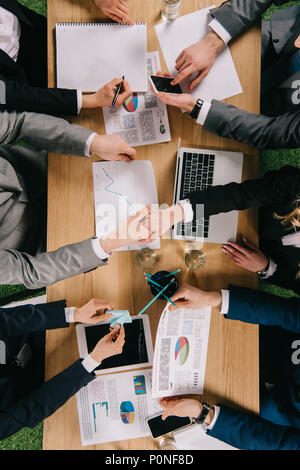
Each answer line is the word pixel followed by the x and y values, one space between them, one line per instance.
pixel 158 285
pixel 118 91
pixel 156 297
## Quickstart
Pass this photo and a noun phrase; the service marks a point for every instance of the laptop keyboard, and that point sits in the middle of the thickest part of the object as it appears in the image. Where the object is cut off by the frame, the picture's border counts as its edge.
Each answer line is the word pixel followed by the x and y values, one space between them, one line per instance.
pixel 197 175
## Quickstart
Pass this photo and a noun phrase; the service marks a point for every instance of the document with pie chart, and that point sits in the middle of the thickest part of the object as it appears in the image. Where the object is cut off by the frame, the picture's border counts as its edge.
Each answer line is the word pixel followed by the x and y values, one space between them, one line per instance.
pixel 142 119
pixel 180 353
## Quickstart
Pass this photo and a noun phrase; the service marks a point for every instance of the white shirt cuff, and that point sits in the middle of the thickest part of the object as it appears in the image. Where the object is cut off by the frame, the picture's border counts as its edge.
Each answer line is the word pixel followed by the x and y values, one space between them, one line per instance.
pixel 271 269
pixel 89 364
pixel 87 152
pixel 79 101
pixel 69 312
pixel 220 30
pixel 225 302
pixel 96 245
pixel 216 415
pixel 203 113
pixel 187 209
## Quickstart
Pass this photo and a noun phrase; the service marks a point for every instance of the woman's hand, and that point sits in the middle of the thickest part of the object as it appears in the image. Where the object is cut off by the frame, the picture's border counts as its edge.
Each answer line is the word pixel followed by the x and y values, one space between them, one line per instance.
pixel 248 256
pixel 93 312
pixel 117 10
pixel 105 95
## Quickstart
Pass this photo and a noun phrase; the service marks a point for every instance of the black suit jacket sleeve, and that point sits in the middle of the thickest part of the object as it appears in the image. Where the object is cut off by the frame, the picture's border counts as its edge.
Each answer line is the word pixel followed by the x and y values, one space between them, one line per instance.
pixel 261 131
pixel 250 432
pixel 276 187
pixel 237 16
pixel 43 401
pixel 22 97
pixel 27 319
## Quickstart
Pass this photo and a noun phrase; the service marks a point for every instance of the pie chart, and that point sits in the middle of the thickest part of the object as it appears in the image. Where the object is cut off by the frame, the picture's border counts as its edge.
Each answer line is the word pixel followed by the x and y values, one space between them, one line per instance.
pixel 131 103
pixel 127 412
pixel 182 348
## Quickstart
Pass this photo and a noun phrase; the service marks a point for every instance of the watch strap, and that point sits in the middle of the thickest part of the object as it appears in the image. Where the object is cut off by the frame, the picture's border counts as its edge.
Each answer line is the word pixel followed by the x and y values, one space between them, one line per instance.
pixel 196 110
pixel 205 410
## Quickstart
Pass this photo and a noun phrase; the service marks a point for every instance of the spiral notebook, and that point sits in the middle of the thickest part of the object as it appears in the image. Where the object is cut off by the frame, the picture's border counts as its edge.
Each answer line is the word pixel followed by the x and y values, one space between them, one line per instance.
pixel 88 55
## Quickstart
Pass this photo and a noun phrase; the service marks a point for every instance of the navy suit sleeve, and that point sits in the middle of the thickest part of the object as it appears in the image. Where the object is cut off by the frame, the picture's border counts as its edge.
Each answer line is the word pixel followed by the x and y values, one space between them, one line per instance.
pixel 54 101
pixel 26 319
pixel 250 432
pixel 44 401
pixel 261 308
pixel 276 187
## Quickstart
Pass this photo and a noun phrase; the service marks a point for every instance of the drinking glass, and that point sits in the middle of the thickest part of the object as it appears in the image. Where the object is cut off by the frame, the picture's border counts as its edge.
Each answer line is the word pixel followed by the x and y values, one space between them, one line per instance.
pixel 146 258
pixel 194 258
pixel 170 9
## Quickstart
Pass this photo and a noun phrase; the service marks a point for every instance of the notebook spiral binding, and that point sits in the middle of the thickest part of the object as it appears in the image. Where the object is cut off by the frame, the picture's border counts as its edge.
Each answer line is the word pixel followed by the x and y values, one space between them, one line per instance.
pixel 98 24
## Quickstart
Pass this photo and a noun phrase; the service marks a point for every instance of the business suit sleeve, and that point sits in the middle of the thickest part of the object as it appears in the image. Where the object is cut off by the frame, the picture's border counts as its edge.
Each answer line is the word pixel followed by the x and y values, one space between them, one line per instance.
pixel 26 319
pixel 258 130
pixel 44 401
pixel 236 16
pixel 262 308
pixel 275 187
pixel 43 132
pixel 47 268
pixel 22 97
pixel 250 432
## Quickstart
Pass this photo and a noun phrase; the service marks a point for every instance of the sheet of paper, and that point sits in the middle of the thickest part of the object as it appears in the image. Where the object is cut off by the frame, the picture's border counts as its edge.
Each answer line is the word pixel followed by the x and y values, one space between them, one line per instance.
pixel 89 55
pixel 180 352
pixel 115 407
pixel 195 438
pixel 120 190
pixel 143 119
pixel 174 36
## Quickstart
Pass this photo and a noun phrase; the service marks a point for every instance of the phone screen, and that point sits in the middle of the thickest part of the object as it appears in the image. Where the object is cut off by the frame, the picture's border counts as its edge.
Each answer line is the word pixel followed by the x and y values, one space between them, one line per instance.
pixel 164 84
pixel 158 427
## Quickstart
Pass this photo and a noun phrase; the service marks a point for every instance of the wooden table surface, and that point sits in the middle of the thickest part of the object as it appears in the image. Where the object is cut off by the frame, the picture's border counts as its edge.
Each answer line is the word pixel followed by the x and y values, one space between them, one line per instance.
pixel 232 373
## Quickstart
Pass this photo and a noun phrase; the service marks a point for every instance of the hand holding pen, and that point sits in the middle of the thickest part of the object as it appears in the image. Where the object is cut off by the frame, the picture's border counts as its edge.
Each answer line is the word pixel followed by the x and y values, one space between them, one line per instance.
pixel 118 92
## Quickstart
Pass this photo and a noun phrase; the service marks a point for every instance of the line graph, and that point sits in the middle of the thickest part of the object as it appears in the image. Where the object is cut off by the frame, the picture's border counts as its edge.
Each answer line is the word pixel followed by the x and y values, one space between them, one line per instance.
pixel 129 204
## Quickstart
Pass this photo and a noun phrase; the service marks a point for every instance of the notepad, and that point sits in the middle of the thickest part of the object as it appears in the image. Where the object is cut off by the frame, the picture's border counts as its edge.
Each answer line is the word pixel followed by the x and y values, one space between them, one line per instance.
pixel 89 55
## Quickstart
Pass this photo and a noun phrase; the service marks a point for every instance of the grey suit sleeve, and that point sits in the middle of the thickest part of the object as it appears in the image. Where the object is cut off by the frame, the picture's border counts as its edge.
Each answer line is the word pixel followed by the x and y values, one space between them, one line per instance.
pixel 43 132
pixel 237 16
pixel 48 267
pixel 260 131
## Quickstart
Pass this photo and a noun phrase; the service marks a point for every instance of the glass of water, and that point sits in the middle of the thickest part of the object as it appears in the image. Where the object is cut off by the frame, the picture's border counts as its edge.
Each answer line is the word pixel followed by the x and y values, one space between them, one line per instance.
pixel 170 9
pixel 194 258
pixel 146 258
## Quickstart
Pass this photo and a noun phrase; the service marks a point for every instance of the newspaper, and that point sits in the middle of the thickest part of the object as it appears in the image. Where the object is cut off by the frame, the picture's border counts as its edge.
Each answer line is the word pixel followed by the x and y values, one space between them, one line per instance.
pixel 180 352
pixel 116 407
pixel 142 119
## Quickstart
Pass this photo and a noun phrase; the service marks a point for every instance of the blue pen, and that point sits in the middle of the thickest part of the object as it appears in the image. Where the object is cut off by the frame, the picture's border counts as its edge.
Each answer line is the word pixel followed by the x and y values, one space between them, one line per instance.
pixel 158 285
pixel 156 297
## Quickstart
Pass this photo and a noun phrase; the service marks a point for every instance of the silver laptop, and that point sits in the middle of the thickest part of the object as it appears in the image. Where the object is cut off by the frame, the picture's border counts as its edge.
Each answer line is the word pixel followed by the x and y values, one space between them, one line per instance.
pixel 196 170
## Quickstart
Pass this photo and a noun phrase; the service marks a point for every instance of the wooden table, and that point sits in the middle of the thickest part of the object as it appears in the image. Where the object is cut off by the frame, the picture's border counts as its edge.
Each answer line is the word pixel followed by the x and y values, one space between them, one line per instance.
pixel 232 372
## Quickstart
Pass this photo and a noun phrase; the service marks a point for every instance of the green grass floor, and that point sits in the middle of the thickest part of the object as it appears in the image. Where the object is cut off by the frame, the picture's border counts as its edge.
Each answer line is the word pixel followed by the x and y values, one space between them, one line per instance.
pixel 31 439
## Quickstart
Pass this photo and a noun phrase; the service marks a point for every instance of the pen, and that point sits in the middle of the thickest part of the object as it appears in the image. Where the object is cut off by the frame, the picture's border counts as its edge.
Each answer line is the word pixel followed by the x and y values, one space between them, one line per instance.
pixel 117 92
pixel 158 285
pixel 156 297
pixel 174 272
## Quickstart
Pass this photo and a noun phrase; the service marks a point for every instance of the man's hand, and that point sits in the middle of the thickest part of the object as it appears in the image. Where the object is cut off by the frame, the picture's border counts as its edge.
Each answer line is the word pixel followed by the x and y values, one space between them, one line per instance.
pixel 198 57
pixel 117 10
pixel 247 256
pixel 129 232
pixel 112 147
pixel 175 406
pixel 110 345
pixel 160 221
pixel 105 95
pixel 192 298
pixel 183 101
pixel 93 312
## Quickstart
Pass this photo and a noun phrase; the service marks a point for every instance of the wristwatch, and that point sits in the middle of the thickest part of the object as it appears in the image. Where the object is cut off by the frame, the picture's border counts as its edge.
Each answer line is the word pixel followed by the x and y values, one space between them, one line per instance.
pixel 196 110
pixel 262 274
pixel 205 410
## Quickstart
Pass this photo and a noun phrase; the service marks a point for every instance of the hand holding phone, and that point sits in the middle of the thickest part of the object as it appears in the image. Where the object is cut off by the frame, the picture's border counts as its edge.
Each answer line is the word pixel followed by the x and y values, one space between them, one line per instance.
pixel 163 84
pixel 159 427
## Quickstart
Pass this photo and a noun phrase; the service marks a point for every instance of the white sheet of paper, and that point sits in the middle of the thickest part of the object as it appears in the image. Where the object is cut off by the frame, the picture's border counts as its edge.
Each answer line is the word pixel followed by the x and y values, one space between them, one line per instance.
pixel 143 119
pixel 180 352
pixel 115 407
pixel 195 438
pixel 174 36
pixel 120 190
pixel 89 55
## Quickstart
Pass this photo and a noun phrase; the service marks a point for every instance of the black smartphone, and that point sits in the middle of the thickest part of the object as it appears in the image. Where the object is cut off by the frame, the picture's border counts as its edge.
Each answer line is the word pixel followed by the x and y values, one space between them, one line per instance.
pixel 164 84
pixel 158 427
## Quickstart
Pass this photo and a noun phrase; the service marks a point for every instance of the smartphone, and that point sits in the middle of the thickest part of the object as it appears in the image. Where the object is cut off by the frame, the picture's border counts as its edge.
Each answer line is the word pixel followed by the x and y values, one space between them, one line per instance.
pixel 158 427
pixel 164 84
